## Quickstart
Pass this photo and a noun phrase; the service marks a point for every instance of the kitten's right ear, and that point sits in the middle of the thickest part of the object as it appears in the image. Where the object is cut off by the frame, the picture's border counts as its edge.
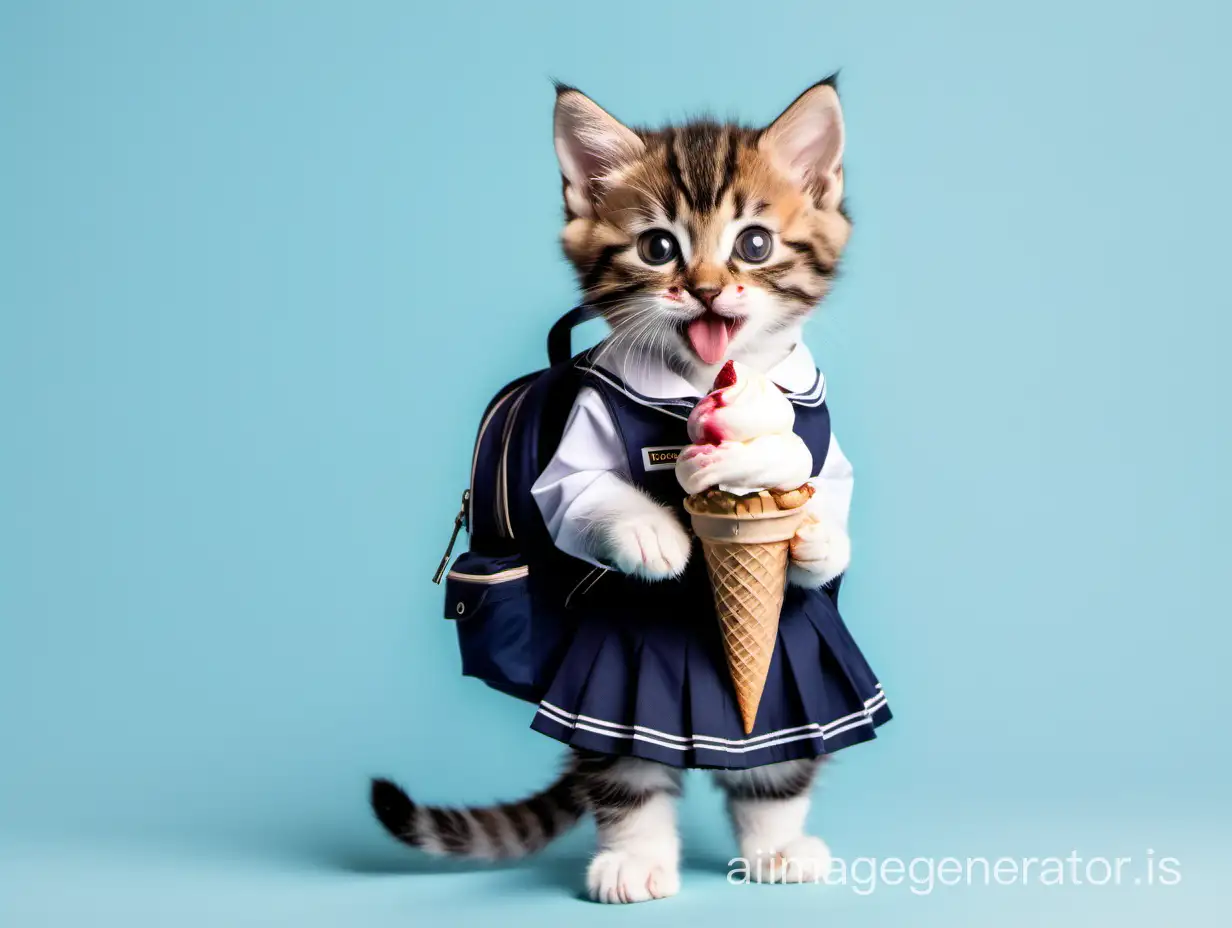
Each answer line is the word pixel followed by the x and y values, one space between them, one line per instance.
pixel 589 143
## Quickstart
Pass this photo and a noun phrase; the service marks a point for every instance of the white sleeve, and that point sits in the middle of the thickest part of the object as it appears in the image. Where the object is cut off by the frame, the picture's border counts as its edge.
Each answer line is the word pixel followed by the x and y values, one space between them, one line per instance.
pixel 833 486
pixel 588 468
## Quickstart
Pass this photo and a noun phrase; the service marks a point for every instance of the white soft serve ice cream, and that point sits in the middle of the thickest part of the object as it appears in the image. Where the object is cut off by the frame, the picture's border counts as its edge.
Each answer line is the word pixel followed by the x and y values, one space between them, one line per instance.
pixel 743 438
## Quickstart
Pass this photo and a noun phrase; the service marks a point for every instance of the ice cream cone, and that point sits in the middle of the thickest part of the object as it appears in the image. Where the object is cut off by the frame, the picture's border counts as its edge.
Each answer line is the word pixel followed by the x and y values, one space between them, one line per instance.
pixel 747 551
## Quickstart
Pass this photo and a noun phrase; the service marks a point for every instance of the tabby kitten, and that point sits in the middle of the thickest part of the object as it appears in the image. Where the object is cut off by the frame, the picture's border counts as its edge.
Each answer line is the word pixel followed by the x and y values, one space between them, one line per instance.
pixel 699 243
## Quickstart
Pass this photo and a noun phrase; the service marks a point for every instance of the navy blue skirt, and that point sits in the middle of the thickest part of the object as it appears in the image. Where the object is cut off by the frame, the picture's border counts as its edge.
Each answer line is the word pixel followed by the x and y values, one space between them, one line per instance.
pixel 645 676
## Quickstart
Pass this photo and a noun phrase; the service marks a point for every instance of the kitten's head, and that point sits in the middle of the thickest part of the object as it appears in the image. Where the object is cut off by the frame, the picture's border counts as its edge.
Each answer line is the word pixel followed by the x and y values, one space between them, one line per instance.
pixel 704 241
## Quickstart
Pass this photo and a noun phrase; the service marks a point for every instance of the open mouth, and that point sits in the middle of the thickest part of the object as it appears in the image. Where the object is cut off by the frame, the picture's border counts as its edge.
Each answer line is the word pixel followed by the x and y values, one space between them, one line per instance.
pixel 709 335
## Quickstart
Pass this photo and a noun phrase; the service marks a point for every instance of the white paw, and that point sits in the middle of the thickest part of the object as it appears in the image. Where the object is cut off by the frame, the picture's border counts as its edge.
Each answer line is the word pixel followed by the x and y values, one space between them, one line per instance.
pixel 651 544
pixel 620 876
pixel 803 860
pixel 819 553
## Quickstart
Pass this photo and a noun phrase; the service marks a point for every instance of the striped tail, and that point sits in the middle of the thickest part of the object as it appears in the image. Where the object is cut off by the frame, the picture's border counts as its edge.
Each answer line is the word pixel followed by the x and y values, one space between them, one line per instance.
pixel 499 832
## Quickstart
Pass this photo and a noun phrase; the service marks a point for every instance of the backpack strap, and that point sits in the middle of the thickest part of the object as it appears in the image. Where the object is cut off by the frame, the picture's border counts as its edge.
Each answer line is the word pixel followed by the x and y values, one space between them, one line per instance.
pixel 560 336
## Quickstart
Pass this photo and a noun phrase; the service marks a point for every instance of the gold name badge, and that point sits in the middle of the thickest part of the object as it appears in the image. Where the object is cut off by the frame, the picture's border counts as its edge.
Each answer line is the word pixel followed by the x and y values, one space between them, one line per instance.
pixel 660 458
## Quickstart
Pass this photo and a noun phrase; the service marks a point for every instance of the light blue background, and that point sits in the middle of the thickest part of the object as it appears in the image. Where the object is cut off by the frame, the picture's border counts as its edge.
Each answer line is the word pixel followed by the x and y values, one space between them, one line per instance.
pixel 261 265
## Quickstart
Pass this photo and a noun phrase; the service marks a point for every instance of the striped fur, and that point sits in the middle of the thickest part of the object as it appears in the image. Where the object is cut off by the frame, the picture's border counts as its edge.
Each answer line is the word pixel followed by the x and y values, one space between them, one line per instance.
pixel 703 181
pixel 500 832
pixel 607 787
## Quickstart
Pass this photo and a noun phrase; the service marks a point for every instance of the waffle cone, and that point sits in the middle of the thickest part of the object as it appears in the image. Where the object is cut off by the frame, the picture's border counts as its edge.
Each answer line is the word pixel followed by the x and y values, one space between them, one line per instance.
pixel 746 557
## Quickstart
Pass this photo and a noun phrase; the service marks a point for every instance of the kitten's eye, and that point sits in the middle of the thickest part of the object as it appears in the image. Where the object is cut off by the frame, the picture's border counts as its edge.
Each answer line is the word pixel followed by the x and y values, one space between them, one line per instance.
pixel 657 246
pixel 753 245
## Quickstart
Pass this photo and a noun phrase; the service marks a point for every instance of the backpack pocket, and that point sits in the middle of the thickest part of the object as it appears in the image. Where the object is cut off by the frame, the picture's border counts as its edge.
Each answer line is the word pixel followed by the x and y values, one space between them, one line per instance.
pixel 489 599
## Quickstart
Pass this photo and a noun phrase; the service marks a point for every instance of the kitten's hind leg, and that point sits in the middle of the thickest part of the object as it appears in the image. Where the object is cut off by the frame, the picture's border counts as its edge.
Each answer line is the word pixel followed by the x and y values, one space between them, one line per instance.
pixel 768 806
pixel 634 804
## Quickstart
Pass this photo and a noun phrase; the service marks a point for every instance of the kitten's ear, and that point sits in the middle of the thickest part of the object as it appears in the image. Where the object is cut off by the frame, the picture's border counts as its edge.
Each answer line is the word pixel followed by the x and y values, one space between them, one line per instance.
pixel 806 142
pixel 589 143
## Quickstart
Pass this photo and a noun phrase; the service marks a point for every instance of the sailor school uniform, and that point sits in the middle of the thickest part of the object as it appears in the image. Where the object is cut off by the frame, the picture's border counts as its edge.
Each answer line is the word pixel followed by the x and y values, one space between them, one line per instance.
pixel 645 674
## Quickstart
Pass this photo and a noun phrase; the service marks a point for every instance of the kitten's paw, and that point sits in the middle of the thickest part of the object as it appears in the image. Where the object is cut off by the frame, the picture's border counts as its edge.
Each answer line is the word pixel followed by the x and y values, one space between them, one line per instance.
pixel 650 544
pixel 621 876
pixel 803 860
pixel 819 553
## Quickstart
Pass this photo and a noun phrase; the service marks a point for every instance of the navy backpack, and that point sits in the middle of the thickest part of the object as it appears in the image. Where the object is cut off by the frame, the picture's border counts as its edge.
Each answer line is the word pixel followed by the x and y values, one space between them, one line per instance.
pixel 508 592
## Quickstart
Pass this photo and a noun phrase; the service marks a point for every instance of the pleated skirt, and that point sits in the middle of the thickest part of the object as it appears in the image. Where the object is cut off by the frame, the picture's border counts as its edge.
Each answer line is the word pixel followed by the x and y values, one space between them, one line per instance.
pixel 646 676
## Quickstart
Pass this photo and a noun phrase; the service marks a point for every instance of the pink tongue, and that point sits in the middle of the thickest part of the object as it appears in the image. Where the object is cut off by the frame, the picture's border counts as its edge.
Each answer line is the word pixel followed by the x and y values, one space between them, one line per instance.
pixel 708 336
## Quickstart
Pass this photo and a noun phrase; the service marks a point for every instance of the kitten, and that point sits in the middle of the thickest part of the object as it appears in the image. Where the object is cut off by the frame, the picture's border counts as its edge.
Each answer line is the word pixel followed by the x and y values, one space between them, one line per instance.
pixel 699 243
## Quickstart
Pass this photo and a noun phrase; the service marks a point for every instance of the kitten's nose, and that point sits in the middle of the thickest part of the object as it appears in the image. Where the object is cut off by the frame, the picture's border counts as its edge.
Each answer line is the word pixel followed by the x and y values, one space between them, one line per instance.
pixel 706 293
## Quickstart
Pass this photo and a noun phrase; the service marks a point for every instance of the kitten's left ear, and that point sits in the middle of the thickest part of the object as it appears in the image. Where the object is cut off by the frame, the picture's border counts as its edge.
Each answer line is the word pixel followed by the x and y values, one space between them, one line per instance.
pixel 590 141
pixel 806 142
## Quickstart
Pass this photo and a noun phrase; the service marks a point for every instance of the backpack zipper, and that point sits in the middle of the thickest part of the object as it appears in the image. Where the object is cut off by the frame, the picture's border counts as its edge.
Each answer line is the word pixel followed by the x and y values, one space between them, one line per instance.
pixel 462 519
pixel 501 500
pixel 458 523
pixel 483 428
